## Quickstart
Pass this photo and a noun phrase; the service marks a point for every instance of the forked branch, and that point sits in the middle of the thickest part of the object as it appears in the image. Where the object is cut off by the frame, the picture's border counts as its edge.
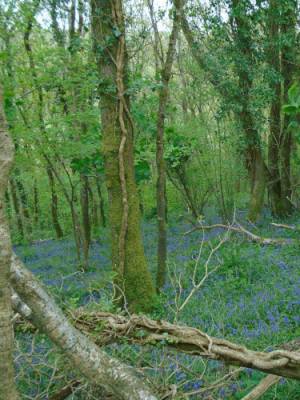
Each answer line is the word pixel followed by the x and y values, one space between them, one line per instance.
pixel 239 229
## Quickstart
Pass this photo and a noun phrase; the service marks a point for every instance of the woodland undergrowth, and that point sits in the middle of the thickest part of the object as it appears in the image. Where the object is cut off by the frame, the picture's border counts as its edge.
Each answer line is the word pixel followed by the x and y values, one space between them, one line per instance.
pixel 252 298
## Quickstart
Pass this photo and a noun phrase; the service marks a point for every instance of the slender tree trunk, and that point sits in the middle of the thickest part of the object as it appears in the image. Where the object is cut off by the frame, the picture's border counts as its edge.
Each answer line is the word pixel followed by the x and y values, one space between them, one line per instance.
pixel 95 221
pixel 101 204
pixel 24 202
pixel 181 173
pixel 35 203
pixel 8 205
pixel 288 67
pixel 273 176
pixel 7 383
pixel 54 205
pixel 16 206
pixel 161 198
pixel 84 199
pixel 128 258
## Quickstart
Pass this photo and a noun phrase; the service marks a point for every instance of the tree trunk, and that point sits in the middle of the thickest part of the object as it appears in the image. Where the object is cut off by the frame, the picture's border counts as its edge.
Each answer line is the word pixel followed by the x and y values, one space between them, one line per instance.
pixel 24 200
pixel 253 155
pixel 288 68
pixel 256 172
pixel 84 200
pixel 161 199
pixel 127 252
pixel 273 176
pixel 7 382
pixel 101 205
pixel 100 369
pixel 16 206
pixel 35 203
pixel 95 221
pixel 54 207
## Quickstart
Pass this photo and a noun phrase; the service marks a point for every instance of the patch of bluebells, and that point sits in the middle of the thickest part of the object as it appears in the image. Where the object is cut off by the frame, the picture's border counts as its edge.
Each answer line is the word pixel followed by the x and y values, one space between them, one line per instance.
pixel 253 299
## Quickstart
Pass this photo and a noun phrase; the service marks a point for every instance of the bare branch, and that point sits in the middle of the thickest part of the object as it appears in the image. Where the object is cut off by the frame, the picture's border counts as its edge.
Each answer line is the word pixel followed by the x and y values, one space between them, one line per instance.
pixel 240 229
pixel 262 387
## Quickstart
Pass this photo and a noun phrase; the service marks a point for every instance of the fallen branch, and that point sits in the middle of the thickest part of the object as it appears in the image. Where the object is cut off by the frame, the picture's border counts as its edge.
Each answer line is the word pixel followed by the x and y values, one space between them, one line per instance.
pixel 105 328
pixel 240 229
pixel 262 387
pixel 282 226
pixel 65 392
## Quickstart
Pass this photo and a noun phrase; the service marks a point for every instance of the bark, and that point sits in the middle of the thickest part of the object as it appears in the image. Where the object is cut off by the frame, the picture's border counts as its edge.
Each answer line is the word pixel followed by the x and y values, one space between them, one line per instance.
pixel 35 203
pixel 16 206
pixel 58 34
pixel 253 155
pixel 54 205
pixel 182 177
pixel 127 252
pixel 262 387
pixel 72 19
pixel 161 198
pixel 95 208
pixel 86 226
pixel 256 172
pixel 239 229
pixel 24 202
pixel 7 383
pixel 284 361
pixel 274 181
pixel 100 369
pixel 101 204
pixel 288 68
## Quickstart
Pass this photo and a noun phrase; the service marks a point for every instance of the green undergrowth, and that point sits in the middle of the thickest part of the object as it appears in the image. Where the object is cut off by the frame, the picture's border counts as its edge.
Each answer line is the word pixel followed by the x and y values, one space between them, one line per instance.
pixel 252 298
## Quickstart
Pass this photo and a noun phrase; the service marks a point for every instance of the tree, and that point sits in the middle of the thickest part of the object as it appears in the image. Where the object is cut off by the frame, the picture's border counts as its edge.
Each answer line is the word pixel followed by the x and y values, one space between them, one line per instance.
pixel 7 384
pixel 127 252
pixel 164 69
pixel 250 44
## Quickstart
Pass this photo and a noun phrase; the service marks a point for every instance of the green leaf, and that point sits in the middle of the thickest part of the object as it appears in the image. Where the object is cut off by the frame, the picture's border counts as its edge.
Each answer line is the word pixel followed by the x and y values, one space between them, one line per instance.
pixel 291 109
pixel 117 32
pixel 293 93
pixel 3 55
pixel 293 126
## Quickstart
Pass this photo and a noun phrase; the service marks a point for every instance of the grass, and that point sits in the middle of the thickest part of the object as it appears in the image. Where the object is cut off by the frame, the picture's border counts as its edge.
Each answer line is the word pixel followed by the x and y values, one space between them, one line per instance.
pixel 253 298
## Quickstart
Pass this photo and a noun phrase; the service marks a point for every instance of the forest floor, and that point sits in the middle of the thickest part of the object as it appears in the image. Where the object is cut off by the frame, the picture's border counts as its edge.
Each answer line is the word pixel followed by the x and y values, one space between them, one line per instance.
pixel 252 298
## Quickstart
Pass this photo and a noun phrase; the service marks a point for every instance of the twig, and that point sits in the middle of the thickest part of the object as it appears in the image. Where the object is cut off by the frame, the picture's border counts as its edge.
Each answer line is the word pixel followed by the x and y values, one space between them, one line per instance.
pixel 282 226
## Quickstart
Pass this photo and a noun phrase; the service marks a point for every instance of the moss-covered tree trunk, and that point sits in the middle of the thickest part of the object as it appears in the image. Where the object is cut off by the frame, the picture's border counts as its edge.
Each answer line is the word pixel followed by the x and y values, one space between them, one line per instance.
pixel 7 383
pixel 127 252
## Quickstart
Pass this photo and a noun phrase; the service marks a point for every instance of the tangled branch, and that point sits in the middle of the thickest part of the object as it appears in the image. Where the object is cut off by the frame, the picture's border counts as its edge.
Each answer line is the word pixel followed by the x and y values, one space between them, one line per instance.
pixel 239 229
